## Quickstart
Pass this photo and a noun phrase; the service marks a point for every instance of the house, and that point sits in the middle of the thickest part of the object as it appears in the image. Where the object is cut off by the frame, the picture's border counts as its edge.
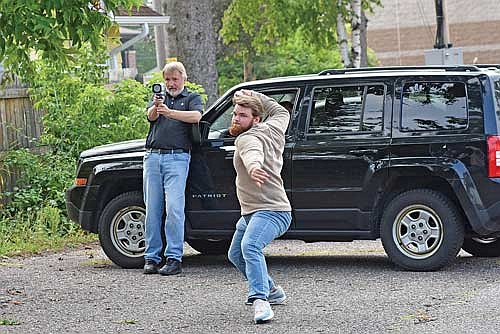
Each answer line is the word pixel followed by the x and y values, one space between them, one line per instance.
pixel 122 63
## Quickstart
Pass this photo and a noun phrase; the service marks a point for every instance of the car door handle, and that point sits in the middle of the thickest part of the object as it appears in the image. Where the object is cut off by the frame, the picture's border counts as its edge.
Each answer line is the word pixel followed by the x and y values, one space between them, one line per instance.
pixel 363 151
pixel 229 151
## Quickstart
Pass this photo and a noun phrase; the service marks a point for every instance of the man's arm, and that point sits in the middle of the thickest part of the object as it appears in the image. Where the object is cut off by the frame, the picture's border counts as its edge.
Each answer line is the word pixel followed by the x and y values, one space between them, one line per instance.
pixel 278 116
pixel 252 154
pixel 152 113
pixel 188 116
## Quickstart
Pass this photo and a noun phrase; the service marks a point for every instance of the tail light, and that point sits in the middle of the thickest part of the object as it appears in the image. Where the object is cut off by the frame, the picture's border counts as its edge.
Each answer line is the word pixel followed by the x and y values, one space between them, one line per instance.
pixel 494 156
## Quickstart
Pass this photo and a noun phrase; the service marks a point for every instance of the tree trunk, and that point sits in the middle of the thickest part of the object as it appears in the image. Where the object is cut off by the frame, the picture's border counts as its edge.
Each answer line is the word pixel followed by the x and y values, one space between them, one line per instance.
pixel 355 33
pixel 193 41
pixel 342 41
pixel 219 7
pixel 165 35
pixel 248 74
pixel 363 42
pixel 160 38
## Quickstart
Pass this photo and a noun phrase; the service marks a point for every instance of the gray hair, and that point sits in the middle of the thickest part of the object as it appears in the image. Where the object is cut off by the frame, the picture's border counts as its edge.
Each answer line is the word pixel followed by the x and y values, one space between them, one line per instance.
pixel 175 66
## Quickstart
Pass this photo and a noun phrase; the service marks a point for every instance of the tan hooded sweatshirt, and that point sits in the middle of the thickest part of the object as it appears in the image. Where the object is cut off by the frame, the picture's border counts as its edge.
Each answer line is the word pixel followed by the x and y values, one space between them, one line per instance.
pixel 262 146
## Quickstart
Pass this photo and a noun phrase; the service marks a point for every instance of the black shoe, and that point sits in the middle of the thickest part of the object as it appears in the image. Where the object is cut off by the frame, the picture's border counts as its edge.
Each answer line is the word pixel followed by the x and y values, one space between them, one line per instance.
pixel 173 267
pixel 150 267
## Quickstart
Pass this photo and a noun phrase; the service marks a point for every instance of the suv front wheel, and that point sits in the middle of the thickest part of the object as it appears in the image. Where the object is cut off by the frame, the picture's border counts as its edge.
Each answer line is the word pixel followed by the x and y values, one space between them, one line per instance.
pixel 121 230
pixel 421 230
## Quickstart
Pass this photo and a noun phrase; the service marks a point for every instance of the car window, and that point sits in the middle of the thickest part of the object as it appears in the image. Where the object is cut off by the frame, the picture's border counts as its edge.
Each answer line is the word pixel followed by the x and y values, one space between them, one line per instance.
pixel 347 109
pixel 497 95
pixel 219 128
pixel 433 106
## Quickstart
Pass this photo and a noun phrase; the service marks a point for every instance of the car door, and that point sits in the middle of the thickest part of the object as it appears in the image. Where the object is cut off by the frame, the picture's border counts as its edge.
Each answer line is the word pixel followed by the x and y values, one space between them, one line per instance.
pixel 342 149
pixel 211 202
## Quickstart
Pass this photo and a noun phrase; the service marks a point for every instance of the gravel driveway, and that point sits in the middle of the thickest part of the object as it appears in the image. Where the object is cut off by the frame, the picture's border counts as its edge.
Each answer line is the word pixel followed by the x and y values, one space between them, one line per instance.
pixel 332 288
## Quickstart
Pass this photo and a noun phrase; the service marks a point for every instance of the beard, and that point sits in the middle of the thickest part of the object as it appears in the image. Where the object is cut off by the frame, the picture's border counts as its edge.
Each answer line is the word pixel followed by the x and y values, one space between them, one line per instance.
pixel 175 92
pixel 236 129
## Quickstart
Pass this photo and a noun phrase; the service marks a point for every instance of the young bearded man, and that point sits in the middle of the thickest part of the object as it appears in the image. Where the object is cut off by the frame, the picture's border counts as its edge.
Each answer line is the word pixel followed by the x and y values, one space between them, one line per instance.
pixel 265 209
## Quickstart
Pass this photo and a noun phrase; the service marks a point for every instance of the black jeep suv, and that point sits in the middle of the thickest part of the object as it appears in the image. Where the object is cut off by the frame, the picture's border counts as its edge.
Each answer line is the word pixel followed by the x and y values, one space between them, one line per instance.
pixel 410 155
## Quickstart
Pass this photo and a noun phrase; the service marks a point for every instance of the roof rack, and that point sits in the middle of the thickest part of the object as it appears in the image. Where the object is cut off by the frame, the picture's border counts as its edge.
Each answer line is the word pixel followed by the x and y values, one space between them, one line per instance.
pixel 495 66
pixel 450 68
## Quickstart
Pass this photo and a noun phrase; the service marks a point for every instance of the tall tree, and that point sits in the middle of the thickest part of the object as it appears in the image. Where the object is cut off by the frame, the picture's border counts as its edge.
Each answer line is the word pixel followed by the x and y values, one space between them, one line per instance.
pixel 364 39
pixel 192 39
pixel 251 27
pixel 356 33
pixel 52 30
pixel 340 20
pixel 160 38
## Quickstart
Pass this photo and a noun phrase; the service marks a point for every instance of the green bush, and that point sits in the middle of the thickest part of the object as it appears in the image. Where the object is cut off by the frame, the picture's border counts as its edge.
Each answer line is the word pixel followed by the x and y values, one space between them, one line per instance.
pixel 80 112
pixel 40 181
pixel 35 217
pixel 81 115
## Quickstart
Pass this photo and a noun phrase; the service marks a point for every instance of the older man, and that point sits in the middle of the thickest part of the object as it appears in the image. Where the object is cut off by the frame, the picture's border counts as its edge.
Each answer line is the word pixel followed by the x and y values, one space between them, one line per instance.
pixel 166 165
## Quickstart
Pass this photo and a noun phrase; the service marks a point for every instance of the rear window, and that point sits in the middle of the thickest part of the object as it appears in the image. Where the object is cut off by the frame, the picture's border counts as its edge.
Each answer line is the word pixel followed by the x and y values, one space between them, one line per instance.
pixel 347 109
pixel 497 94
pixel 431 106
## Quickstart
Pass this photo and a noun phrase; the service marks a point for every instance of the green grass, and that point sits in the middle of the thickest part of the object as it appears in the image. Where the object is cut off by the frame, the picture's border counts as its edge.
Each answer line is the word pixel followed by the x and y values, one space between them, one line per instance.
pixel 7 322
pixel 37 243
pixel 32 233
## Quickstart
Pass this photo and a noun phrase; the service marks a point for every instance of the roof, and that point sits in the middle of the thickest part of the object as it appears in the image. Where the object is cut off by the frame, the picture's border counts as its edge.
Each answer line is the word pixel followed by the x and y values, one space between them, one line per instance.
pixel 139 15
pixel 137 11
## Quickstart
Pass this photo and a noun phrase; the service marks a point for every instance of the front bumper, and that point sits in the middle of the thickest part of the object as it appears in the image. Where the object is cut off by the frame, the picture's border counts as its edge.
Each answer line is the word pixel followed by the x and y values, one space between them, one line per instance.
pixel 73 206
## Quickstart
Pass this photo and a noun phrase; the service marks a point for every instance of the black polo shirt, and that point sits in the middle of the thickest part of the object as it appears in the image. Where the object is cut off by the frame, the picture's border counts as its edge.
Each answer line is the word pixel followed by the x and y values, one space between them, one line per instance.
pixel 169 133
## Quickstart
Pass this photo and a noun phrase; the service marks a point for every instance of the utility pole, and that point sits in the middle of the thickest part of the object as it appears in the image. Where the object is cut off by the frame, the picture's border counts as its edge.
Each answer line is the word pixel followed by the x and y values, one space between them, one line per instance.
pixel 443 52
pixel 442 31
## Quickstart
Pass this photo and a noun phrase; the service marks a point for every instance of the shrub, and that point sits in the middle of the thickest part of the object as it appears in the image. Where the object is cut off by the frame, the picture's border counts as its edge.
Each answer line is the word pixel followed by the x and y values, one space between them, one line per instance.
pixel 80 115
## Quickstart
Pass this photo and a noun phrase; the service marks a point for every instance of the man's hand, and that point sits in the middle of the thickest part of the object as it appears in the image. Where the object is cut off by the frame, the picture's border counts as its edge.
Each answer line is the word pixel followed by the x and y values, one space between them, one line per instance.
pixel 164 110
pixel 157 100
pixel 259 176
pixel 243 92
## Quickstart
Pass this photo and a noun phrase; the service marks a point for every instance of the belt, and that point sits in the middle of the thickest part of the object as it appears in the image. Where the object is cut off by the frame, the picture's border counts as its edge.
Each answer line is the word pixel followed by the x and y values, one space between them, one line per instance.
pixel 166 150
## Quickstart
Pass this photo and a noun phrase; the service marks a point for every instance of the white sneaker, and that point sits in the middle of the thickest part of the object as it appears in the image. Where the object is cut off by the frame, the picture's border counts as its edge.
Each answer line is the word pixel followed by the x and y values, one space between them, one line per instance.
pixel 263 311
pixel 276 296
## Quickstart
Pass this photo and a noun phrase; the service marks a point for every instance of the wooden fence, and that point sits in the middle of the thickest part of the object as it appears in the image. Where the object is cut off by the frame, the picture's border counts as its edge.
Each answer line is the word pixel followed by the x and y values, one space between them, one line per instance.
pixel 20 126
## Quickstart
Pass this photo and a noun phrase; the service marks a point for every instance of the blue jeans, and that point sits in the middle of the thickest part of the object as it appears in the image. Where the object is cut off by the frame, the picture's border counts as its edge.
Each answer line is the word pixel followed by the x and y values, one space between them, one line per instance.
pixel 253 233
pixel 164 183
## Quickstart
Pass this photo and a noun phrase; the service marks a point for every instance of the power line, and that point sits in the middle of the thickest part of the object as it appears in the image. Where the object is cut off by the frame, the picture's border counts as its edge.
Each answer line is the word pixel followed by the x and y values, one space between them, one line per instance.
pixel 421 13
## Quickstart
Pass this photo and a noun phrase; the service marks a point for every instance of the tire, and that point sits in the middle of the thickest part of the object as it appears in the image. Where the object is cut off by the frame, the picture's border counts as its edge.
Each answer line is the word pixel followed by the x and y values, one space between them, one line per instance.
pixel 210 246
pixel 121 230
pixel 482 247
pixel 421 230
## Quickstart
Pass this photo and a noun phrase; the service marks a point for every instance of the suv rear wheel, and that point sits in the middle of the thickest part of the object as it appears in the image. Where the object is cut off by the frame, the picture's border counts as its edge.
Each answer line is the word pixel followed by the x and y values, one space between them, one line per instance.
pixel 482 247
pixel 421 230
pixel 121 230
